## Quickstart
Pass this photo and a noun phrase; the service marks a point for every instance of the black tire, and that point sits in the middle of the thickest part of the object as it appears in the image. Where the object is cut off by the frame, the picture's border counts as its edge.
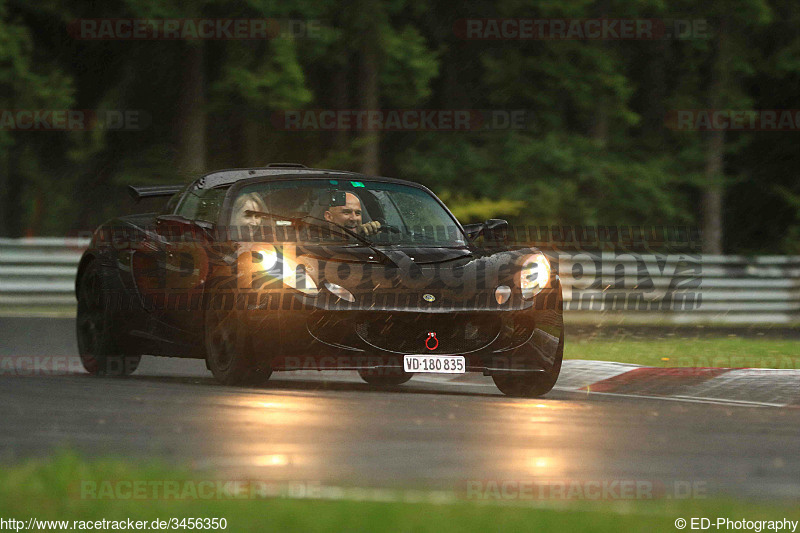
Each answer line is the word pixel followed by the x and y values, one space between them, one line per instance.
pixel 385 377
pixel 99 348
pixel 229 352
pixel 530 384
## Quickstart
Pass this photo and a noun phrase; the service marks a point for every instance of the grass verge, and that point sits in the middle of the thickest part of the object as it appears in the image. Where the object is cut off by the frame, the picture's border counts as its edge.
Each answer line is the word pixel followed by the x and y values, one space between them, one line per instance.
pixel 728 352
pixel 51 489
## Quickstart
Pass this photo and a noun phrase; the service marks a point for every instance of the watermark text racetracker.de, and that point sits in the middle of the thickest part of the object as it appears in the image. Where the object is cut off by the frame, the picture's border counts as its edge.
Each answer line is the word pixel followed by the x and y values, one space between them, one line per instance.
pixel 733 120
pixel 735 524
pixel 202 489
pixel 37 365
pixel 74 119
pixel 138 29
pixel 579 29
pixel 583 489
pixel 441 120
pixel 250 489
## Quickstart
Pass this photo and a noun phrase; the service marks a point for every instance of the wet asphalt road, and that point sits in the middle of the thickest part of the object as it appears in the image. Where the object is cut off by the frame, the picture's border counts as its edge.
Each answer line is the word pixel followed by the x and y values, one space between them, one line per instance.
pixel 334 429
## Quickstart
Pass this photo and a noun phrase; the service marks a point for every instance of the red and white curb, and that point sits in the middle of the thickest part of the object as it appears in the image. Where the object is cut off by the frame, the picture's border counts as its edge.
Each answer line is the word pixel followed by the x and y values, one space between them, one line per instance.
pixel 742 386
pixel 753 387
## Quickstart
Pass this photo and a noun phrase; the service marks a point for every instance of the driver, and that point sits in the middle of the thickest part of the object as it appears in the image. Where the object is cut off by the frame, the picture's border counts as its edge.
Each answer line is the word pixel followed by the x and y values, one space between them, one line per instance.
pixel 349 216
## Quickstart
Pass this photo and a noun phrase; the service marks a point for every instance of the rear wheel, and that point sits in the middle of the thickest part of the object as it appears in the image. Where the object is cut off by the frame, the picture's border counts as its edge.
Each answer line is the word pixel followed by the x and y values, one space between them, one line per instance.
pixel 98 346
pixel 229 352
pixel 530 384
pixel 385 376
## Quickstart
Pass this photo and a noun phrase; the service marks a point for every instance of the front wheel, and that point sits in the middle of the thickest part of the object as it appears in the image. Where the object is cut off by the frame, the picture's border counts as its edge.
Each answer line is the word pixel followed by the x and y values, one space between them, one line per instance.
pixel 385 376
pixel 98 346
pixel 229 353
pixel 530 384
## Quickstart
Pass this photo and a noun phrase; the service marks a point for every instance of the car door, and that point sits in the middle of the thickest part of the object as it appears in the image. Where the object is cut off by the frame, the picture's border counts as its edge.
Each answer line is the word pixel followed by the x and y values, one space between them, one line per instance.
pixel 187 237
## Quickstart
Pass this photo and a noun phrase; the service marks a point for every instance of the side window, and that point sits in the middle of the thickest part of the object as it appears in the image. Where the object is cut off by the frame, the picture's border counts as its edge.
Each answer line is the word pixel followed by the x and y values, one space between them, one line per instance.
pixel 169 209
pixel 202 205
pixel 210 205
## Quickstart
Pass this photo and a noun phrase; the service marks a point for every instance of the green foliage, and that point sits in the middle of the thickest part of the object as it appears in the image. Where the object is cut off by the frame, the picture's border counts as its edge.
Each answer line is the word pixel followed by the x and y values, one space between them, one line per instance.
pixel 565 178
pixel 410 67
pixel 480 209
pixel 597 152
pixel 274 80
pixel 51 489
pixel 686 351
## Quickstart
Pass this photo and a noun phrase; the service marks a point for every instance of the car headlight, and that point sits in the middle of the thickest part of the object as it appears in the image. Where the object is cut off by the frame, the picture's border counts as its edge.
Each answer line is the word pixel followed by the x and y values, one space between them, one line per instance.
pixel 534 275
pixel 267 257
pixel 340 291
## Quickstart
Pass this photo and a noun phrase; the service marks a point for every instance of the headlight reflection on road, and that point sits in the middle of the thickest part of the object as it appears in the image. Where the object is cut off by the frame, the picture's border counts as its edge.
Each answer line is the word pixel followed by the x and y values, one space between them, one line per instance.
pixel 294 411
pixel 275 433
pixel 538 445
pixel 273 405
pixel 277 459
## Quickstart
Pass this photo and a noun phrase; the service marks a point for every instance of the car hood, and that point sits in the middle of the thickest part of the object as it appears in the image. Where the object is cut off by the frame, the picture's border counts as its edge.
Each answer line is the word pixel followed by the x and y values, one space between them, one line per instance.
pixel 394 254
pixel 421 279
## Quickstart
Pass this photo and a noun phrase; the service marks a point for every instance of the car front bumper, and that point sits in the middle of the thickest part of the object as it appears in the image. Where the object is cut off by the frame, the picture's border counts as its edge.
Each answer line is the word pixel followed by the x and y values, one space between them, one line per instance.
pixel 317 335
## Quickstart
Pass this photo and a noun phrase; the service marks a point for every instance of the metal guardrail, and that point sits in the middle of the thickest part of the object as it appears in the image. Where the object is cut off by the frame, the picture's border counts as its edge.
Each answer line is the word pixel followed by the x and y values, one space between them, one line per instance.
pixel 38 275
pixel 680 289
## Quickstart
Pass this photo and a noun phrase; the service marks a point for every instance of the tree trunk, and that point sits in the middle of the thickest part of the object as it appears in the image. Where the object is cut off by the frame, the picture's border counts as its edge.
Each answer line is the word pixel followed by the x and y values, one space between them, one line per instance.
pixel 368 92
pixel 12 209
pixel 599 129
pixel 340 100
pixel 655 92
pixel 454 94
pixel 600 125
pixel 252 151
pixel 191 157
pixel 713 192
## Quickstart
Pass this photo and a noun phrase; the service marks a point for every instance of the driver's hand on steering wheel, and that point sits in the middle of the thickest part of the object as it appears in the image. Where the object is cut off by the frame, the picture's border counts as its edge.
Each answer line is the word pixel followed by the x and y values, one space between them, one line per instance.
pixel 370 228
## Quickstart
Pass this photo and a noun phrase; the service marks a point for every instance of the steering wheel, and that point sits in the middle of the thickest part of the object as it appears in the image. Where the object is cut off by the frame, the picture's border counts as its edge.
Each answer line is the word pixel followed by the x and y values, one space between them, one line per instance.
pixel 388 228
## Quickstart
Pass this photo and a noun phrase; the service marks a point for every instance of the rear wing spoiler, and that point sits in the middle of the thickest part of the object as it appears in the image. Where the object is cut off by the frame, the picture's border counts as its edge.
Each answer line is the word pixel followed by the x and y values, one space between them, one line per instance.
pixel 149 191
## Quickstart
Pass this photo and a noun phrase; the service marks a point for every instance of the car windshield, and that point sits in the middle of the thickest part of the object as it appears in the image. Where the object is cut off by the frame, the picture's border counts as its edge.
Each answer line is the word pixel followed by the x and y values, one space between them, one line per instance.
pixel 381 213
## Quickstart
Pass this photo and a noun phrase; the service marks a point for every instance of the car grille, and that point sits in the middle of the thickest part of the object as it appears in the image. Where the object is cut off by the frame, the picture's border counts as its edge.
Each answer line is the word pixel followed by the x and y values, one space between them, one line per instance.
pixel 455 335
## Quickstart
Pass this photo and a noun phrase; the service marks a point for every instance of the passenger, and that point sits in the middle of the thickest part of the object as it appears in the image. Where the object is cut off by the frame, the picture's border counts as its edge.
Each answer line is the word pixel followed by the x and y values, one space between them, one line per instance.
pixel 247 202
pixel 243 226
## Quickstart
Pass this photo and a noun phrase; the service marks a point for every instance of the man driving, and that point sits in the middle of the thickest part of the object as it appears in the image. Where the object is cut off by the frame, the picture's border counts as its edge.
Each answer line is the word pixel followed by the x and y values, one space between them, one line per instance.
pixel 349 216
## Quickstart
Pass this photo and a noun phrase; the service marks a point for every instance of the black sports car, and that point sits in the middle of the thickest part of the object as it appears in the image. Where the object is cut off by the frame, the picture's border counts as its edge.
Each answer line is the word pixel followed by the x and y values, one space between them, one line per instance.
pixel 290 268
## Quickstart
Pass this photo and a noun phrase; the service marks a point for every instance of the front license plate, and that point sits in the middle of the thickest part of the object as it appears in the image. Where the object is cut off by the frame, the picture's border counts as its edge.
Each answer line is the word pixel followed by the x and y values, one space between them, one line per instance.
pixel 451 364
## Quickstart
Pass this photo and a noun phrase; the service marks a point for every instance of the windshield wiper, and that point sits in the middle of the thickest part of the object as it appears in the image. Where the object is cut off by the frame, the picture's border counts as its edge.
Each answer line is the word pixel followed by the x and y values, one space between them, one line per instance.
pixel 326 223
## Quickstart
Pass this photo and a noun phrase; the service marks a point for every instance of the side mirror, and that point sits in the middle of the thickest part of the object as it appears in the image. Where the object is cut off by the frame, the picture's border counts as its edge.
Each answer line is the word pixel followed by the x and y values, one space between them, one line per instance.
pixel 473 230
pixel 493 230
pixel 496 230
